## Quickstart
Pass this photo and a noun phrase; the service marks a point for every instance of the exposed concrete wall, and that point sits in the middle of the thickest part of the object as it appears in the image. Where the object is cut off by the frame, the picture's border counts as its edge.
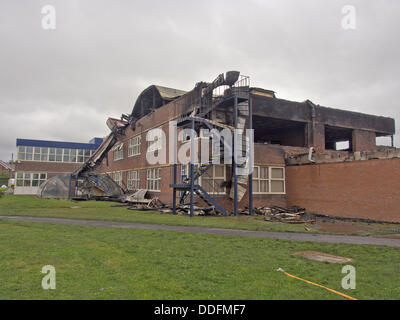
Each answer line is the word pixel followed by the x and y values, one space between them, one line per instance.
pixel 300 111
pixel 358 189
pixel 318 136
pixel 363 140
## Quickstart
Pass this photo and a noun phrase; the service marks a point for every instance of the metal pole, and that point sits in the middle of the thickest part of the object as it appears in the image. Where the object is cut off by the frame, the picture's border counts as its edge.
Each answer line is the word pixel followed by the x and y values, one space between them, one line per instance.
pixel 235 187
pixel 191 168
pixel 175 169
pixel 69 186
pixel 251 158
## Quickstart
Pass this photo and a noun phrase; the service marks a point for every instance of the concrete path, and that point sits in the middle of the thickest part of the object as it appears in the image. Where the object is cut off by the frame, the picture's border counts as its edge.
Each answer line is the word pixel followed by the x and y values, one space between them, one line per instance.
pixel 218 231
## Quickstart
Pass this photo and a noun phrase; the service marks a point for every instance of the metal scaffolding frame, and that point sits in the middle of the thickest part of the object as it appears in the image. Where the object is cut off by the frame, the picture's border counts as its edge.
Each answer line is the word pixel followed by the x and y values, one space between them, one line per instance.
pixel 191 187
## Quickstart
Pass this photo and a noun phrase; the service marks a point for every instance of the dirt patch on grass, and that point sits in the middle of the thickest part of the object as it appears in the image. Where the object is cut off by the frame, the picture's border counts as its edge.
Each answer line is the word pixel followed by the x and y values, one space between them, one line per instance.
pixel 322 257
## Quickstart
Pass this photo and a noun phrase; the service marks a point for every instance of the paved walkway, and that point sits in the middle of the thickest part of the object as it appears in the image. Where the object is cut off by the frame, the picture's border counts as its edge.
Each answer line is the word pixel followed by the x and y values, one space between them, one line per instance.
pixel 218 231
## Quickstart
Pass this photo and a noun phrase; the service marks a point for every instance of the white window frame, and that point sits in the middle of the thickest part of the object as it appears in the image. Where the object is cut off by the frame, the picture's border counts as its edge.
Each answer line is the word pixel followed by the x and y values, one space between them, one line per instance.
pixel 277 179
pixel 133 180
pixel 269 179
pixel 30 179
pixel 134 147
pixel 153 179
pixel 117 177
pixel 185 168
pixel 118 152
pixel 58 154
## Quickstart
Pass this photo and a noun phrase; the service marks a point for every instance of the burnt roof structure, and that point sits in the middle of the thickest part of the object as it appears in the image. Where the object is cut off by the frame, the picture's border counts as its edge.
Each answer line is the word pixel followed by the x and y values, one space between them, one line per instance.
pixel 152 98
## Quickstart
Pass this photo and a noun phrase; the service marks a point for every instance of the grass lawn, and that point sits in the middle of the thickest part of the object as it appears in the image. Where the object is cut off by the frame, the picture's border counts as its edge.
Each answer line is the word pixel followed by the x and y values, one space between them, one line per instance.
pixel 98 210
pixel 107 263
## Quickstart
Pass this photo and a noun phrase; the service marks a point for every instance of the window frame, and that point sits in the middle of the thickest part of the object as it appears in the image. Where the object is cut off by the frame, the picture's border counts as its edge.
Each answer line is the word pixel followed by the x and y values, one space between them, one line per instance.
pixel 118 152
pixel 213 178
pixel 153 180
pixel 135 146
pixel 119 174
pixel 24 174
pixel 52 154
pixel 133 180
pixel 269 179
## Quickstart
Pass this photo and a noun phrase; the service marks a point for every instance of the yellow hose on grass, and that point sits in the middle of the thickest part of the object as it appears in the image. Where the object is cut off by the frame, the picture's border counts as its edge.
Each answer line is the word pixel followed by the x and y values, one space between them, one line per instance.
pixel 316 284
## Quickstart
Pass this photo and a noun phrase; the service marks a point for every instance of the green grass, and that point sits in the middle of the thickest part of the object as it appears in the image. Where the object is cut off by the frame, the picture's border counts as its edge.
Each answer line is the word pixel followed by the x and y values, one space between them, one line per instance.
pixel 107 263
pixel 98 210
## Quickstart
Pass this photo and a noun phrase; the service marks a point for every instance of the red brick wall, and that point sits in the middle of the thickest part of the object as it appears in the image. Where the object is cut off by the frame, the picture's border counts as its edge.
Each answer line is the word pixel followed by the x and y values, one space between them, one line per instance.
pixel 359 189
pixel 4 171
pixel 52 168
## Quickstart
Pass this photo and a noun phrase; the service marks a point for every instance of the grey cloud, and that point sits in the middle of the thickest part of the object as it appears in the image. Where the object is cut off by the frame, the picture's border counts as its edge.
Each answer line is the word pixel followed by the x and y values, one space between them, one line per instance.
pixel 63 84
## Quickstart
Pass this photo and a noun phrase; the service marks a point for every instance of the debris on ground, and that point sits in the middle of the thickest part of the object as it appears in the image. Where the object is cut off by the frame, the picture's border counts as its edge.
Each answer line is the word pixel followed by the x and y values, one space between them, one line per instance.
pixel 293 214
pixel 197 211
pixel 137 201
pixel 147 204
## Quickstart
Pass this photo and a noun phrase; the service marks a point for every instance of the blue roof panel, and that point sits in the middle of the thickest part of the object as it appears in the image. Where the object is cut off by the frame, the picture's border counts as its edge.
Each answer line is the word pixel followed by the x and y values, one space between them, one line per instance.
pixel 60 144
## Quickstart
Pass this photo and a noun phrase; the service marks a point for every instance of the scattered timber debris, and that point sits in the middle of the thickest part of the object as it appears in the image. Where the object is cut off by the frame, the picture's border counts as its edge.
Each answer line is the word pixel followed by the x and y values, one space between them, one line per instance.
pixel 137 201
pixel 292 214
pixel 197 211
pixel 147 204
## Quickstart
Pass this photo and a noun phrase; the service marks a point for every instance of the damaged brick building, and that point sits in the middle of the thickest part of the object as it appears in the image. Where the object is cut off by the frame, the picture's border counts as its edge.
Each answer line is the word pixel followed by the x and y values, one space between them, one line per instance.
pixel 296 161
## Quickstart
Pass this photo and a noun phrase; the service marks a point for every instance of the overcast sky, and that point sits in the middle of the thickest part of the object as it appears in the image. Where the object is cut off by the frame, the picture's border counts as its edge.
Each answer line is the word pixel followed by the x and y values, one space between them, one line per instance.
pixel 62 84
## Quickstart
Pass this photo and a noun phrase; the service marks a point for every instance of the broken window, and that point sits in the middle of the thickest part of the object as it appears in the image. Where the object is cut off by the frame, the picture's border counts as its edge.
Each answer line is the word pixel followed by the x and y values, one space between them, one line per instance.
pixel 213 179
pixel 118 152
pixel 338 138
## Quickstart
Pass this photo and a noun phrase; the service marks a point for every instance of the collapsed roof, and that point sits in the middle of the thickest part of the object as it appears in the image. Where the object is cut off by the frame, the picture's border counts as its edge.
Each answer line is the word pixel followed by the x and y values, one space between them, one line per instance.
pixel 153 98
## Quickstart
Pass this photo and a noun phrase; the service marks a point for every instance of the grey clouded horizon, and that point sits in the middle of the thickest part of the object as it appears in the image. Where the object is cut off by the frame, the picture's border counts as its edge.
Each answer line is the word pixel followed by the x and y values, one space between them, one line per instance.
pixel 62 84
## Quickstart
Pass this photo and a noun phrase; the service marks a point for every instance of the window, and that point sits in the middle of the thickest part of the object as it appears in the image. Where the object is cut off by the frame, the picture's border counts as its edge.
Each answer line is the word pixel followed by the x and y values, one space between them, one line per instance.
pixel 118 152
pixel 277 180
pixel 73 153
pixel 268 180
pixel 153 179
pixel 27 179
pixel 87 154
pixel 40 154
pixel 80 155
pixel 213 179
pixel 117 177
pixel 53 154
pixel 134 146
pixel 21 153
pixel 59 154
pixel 28 153
pixel 133 180
pixel 44 154
pixel 67 155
